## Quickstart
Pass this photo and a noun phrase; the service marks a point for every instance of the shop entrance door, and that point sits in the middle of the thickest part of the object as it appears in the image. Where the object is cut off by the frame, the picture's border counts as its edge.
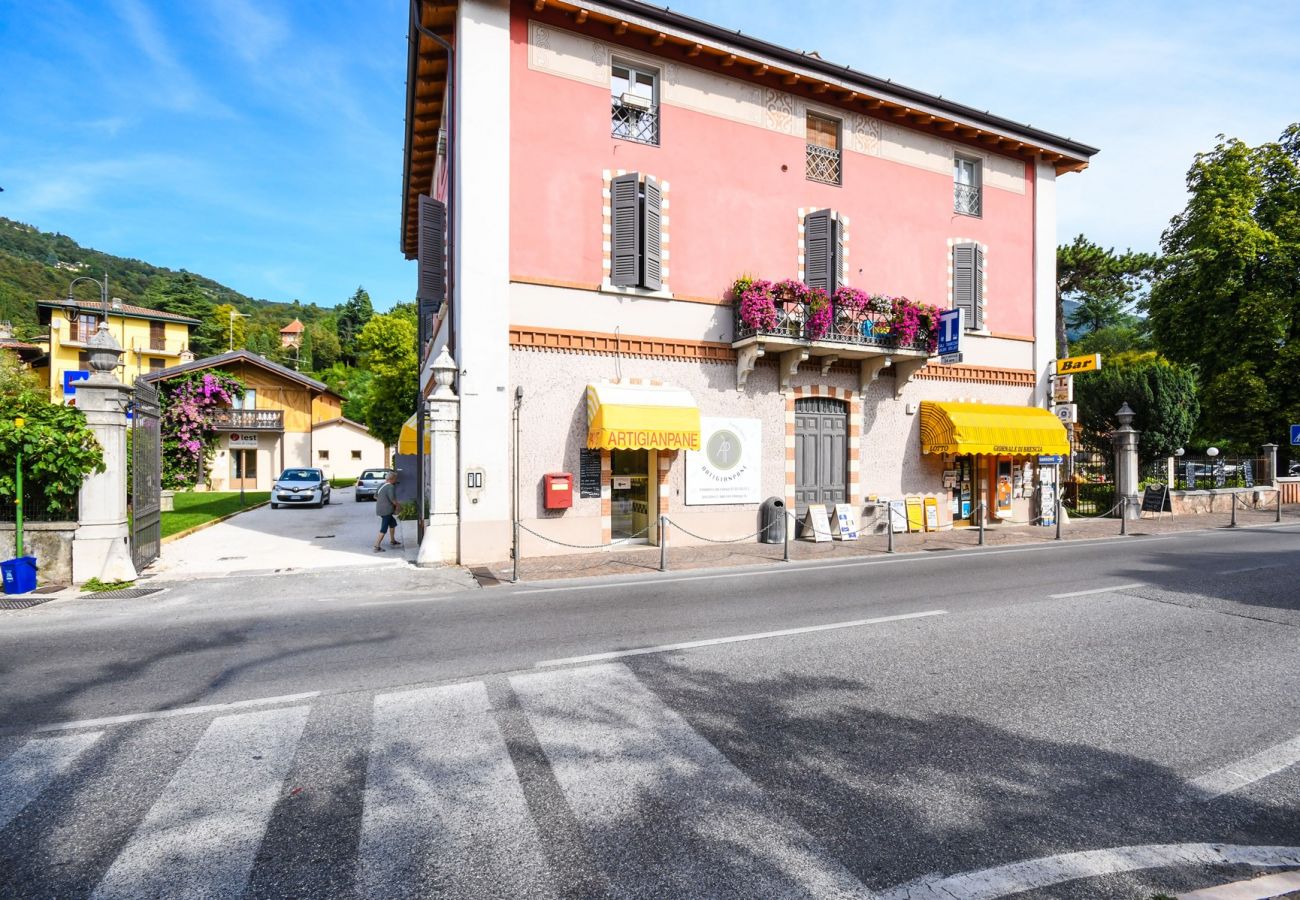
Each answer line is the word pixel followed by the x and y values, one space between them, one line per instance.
pixel 629 494
pixel 821 459
pixel 243 469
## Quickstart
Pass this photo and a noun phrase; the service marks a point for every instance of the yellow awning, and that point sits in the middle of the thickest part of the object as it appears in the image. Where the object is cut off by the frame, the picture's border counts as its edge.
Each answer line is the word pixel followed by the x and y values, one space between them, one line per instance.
pixel 406 440
pixel 641 417
pixel 991 430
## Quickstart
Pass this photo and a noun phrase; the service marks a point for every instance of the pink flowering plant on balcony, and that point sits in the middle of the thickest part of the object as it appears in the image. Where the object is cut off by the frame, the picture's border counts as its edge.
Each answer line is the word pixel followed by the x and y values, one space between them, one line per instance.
pixel 757 305
pixel 188 443
pixel 820 314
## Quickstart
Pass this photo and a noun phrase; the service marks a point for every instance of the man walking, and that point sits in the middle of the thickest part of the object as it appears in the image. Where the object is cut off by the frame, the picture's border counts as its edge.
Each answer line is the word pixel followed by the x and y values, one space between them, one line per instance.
pixel 386 509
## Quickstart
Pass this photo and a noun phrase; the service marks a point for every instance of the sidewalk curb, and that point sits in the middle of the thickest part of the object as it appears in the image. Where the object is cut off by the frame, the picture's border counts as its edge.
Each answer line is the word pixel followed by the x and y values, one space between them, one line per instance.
pixel 208 524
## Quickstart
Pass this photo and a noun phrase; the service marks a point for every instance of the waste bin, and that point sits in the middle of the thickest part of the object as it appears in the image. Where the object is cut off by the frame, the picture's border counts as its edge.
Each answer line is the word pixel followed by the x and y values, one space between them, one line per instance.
pixel 19 574
pixel 772 520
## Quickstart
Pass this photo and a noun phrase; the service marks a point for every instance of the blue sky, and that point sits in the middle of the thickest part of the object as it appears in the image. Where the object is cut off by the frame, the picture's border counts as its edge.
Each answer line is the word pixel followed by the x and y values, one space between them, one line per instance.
pixel 260 142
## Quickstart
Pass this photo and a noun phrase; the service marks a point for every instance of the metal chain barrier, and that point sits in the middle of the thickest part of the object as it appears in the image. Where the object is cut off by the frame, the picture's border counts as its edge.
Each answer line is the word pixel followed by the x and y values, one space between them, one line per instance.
pixel 708 540
pixel 1104 515
pixel 551 540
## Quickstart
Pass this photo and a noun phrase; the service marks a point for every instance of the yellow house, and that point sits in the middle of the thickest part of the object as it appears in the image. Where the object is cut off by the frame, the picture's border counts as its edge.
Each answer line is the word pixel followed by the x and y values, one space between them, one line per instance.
pixel 273 427
pixel 153 340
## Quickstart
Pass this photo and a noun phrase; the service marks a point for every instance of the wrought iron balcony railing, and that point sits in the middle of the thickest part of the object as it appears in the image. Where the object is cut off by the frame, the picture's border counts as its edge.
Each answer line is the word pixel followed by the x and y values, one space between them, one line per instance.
pixel 248 420
pixel 823 164
pixel 966 199
pixel 854 326
pixel 631 123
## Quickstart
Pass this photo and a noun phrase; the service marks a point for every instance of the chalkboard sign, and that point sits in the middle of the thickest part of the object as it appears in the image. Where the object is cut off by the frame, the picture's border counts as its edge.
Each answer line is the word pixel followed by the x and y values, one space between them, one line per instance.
pixel 1156 499
pixel 589 473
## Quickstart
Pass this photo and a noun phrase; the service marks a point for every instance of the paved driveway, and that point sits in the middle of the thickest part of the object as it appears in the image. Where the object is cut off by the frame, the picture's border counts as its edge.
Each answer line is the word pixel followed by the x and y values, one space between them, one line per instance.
pixel 297 538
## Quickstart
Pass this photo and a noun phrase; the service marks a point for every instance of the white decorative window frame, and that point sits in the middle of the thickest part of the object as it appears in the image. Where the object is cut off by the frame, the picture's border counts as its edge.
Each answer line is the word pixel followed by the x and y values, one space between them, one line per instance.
pixel 984 282
pixel 844 241
pixel 607 240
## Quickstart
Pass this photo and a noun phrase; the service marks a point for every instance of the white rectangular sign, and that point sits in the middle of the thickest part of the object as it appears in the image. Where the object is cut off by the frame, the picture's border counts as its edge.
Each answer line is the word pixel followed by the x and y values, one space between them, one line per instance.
pixel 1068 413
pixel 243 439
pixel 1063 388
pixel 728 466
pixel 846 523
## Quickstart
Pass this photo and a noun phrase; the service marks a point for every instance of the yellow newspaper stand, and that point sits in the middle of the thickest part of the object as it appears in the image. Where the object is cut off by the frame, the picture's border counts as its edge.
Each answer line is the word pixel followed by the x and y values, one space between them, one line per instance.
pixel 931 513
pixel 915 514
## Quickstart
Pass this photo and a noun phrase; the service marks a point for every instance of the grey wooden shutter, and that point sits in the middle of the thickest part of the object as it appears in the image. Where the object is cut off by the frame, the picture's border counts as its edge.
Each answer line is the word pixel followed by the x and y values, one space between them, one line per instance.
pixel 431 280
pixel 818 252
pixel 837 263
pixel 977 301
pixel 625 239
pixel 652 262
pixel 963 282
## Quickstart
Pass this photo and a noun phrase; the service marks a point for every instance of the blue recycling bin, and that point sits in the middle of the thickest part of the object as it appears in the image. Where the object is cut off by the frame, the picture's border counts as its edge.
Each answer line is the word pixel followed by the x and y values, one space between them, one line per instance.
pixel 19 574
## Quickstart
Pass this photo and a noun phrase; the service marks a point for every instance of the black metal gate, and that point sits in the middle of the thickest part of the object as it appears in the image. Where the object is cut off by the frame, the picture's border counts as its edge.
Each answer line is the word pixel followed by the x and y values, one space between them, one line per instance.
pixel 146 476
pixel 1090 489
pixel 821 455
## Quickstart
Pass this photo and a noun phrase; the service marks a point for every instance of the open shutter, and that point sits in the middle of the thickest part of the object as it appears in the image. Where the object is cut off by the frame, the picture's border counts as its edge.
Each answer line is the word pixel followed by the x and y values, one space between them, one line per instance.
pixel 963 281
pixel 977 301
pixel 837 262
pixel 625 239
pixel 818 252
pixel 651 263
pixel 431 281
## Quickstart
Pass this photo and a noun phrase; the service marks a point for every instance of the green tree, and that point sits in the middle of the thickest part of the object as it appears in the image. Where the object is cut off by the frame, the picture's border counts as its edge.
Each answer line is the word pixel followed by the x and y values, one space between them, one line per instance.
pixel 1105 284
pixel 325 347
pixel 1131 335
pixel 387 345
pixel 355 386
pixel 179 293
pixel 220 331
pixel 304 359
pixel 1228 298
pixel 58 449
pixel 352 317
pixel 1163 395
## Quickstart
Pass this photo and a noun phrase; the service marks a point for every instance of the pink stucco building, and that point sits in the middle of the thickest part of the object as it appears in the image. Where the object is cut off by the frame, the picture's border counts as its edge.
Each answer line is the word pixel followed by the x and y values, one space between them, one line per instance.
pixel 614 169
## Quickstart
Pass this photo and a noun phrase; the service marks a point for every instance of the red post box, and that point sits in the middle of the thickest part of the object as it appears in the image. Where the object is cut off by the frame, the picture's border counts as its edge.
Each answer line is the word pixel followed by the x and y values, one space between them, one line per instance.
pixel 559 490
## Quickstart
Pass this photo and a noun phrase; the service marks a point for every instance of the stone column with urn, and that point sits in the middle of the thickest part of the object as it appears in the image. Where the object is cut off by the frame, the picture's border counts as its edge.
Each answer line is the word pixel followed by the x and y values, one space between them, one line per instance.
pixel 441 536
pixel 1125 441
pixel 101 548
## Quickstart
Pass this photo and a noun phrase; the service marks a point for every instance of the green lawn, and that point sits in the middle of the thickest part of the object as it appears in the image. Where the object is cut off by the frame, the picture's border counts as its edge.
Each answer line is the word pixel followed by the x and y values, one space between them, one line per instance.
pixel 196 508
pixel 342 482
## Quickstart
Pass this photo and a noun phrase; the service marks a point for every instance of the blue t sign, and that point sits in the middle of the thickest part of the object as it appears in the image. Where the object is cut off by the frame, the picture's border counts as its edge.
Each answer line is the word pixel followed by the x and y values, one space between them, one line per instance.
pixel 950 328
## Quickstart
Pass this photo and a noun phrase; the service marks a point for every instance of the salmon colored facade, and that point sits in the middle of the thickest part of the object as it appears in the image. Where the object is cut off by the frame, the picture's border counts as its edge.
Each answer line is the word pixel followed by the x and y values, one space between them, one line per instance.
pixel 757 159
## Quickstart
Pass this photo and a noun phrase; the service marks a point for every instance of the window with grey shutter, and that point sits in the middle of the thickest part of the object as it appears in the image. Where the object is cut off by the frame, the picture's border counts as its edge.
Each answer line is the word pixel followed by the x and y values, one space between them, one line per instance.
pixel 968 283
pixel 821 254
pixel 431 280
pixel 652 263
pixel 625 227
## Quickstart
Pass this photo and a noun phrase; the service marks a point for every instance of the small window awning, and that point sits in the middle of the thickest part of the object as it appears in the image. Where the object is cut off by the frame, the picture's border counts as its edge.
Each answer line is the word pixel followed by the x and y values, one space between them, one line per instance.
pixel 406 440
pixel 983 428
pixel 641 417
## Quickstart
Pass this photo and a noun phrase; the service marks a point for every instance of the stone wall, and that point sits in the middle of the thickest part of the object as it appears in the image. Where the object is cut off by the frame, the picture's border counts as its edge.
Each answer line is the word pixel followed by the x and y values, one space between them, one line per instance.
pixel 1192 503
pixel 49 542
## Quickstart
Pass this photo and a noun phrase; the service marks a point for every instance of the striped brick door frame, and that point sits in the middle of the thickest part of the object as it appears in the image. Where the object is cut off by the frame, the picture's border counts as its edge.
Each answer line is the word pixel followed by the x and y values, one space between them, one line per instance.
pixel 855 438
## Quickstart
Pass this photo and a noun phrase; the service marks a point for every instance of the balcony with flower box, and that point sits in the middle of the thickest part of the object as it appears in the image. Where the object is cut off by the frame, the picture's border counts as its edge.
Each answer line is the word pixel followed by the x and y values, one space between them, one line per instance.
pixel 798 323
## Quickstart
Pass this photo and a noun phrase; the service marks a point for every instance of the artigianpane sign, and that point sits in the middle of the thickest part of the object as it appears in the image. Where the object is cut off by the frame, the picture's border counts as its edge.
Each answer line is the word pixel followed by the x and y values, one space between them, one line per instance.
pixel 728 466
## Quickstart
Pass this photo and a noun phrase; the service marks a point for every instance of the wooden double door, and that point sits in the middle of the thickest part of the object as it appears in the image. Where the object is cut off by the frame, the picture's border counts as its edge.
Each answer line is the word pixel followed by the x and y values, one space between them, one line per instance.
pixel 821 454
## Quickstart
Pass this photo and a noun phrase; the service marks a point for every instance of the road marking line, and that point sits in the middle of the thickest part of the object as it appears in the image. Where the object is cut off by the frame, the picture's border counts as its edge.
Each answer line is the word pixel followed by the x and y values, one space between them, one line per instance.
pixel 1250 889
pixel 663 811
pixel 1014 878
pixel 1105 590
pixel 801 567
pixel 30 769
pixel 200 837
pixel 1248 569
pixel 734 639
pixel 1238 775
pixel 178 711
pixel 444 812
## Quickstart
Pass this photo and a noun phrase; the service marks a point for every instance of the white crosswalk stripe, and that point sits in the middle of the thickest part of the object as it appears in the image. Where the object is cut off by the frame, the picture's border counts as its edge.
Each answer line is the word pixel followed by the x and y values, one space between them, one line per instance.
pixel 201 836
pixel 665 812
pixel 28 771
pixel 444 814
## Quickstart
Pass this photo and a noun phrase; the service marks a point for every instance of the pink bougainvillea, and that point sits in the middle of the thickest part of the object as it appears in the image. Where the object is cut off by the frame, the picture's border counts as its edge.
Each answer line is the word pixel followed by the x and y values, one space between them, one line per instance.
pixel 757 307
pixel 820 314
pixel 187 441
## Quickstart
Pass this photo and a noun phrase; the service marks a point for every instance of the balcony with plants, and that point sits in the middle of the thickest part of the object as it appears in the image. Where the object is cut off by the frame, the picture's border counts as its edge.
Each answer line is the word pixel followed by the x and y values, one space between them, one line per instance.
pixel 801 323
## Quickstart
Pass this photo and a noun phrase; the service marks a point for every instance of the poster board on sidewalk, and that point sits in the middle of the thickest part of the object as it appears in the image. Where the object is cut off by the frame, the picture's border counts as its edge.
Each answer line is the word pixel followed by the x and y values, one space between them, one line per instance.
pixel 817 523
pixel 846 522
pixel 915 514
pixel 898 516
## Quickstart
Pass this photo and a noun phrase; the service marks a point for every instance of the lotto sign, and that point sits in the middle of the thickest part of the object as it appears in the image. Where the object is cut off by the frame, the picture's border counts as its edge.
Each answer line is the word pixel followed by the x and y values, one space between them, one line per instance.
pixel 1075 364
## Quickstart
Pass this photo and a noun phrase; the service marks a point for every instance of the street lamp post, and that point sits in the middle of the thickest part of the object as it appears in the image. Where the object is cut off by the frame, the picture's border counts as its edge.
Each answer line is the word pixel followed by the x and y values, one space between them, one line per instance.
pixel 234 312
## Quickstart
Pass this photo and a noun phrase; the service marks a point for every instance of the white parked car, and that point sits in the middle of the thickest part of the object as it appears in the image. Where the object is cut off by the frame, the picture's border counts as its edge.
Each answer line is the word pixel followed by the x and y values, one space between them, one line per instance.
pixel 300 487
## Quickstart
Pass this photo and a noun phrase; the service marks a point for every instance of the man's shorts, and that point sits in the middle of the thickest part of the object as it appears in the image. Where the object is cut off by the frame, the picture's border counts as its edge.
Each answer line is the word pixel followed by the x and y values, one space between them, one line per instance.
pixel 386 523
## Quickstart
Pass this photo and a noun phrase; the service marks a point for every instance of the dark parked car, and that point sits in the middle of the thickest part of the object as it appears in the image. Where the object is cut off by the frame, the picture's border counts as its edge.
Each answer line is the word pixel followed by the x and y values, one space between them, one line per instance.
pixel 370 482
pixel 300 487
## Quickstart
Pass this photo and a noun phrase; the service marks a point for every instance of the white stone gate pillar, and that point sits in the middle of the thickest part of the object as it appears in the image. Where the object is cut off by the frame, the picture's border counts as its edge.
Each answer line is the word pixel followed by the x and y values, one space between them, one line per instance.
pixel 1125 441
pixel 101 548
pixel 441 536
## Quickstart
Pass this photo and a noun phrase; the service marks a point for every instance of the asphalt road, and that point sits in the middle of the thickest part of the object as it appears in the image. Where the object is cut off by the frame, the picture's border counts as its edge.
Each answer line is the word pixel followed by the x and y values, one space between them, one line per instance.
pixel 1108 719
